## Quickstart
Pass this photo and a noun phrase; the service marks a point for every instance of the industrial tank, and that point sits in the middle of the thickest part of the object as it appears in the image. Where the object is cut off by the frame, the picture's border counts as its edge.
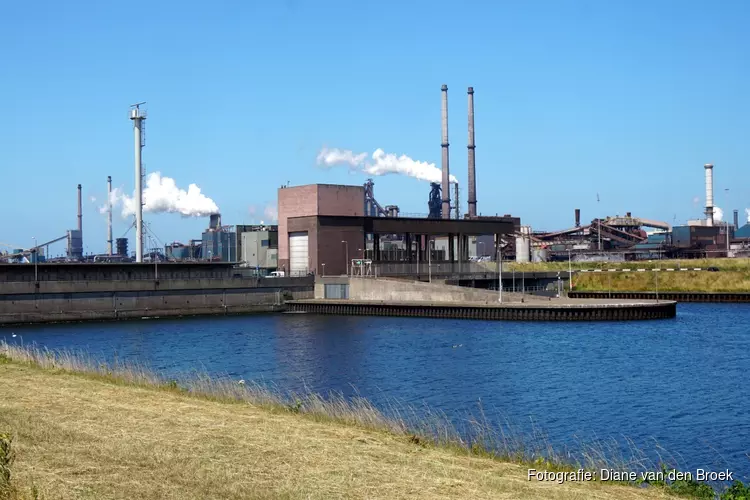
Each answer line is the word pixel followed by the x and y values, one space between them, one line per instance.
pixel 121 244
pixel 539 254
pixel 523 245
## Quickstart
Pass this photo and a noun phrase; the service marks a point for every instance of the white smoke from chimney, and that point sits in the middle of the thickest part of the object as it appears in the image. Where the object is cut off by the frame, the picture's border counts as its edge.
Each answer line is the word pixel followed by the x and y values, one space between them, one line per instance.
pixel 381 163
pixel 161 195
pixel 747 213
pixel 718 214
pixel 269 212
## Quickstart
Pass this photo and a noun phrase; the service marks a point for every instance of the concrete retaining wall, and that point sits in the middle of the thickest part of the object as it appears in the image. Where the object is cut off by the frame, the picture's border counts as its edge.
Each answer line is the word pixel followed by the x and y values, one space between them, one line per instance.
pixel 109 300
pixel 405 291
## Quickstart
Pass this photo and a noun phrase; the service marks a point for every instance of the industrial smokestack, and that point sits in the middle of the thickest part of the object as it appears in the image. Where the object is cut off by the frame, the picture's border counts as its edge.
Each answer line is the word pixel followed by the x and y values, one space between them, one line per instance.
pixel 80 211
pixel 709 194
pixel 736 219
pixel 446 169
pixel 472 159
pixel 458 214
pixel 578 217
pixel 109 215
pixel 137 116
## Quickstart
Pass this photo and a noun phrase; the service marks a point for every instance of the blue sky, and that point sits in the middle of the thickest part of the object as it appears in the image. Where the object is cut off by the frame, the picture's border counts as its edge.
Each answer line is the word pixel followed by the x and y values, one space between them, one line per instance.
pixel 625 98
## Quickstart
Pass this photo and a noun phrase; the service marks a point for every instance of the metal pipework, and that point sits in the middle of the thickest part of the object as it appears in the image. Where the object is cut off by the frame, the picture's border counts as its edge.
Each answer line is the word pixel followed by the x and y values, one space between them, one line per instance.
pixel 446 168
pixel 109 215
pixel 472 159
pixel 709 194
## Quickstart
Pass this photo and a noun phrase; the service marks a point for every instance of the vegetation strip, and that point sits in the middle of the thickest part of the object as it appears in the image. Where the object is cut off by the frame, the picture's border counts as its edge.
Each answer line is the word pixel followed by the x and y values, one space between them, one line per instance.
pixel 85 428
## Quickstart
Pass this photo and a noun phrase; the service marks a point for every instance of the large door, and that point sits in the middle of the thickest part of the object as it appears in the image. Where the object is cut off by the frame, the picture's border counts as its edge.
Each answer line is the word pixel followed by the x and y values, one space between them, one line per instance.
pixel 298 256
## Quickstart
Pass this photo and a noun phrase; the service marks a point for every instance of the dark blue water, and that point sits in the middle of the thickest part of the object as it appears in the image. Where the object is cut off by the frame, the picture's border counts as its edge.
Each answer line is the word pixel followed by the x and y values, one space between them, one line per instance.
pixel 681 383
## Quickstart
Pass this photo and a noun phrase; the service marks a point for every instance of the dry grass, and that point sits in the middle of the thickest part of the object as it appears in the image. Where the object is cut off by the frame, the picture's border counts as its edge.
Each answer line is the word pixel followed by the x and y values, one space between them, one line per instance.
pixel 122 432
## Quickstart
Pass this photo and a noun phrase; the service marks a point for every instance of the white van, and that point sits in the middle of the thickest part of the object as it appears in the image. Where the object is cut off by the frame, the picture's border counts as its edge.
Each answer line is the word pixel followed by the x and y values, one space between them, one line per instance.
pixel 276 274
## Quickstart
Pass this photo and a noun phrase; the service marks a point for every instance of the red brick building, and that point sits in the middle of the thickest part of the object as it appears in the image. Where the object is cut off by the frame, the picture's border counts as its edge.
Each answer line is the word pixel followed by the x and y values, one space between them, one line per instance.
pixel 303 245
pixel 322 227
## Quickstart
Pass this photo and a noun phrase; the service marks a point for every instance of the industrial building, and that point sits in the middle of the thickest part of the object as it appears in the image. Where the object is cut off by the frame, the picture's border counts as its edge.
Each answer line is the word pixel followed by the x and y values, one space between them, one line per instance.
pixel 323 228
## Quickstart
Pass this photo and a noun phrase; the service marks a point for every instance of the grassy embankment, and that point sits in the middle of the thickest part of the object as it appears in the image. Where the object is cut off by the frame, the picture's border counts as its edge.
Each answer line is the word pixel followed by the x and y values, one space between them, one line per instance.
pixel 733 275
pixel 87 430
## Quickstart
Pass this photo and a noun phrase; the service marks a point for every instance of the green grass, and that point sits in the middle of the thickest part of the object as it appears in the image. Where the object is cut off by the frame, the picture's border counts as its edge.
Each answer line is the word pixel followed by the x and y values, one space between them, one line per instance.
pixel 733 275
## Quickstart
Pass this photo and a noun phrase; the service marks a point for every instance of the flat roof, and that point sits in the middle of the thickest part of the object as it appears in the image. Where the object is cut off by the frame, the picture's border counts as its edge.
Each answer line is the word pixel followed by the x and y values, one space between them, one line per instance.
pixel 4 265
pixel 415 225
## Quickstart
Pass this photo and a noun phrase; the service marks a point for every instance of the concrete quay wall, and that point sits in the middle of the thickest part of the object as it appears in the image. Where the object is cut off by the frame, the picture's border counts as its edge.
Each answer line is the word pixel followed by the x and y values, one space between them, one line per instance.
pixel 385 289
pixel 512 312
pixel 110 300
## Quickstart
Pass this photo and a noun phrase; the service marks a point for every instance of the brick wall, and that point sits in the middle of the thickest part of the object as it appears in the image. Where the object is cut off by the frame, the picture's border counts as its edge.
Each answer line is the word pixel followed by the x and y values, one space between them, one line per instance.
pixel 320 199
pixel 297 201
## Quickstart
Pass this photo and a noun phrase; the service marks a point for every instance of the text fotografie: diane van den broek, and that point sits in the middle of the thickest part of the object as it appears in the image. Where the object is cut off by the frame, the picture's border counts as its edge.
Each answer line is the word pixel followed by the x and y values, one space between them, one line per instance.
pixel 629 476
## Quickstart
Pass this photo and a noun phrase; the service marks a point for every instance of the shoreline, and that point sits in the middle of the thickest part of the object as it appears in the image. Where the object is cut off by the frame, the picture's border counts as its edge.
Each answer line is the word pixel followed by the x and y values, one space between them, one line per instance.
pixel 58 403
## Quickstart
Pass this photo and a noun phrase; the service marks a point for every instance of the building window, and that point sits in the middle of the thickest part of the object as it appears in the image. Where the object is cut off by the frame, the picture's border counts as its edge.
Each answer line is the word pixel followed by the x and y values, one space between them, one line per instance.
pixel 264 243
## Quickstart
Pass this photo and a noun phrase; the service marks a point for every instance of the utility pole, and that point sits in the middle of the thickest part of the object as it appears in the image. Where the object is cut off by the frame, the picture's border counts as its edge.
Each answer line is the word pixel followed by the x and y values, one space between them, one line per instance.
pixel 500 271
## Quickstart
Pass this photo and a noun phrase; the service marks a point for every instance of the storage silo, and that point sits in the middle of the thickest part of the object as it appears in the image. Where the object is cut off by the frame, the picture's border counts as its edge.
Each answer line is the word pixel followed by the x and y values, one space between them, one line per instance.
pixel 523 244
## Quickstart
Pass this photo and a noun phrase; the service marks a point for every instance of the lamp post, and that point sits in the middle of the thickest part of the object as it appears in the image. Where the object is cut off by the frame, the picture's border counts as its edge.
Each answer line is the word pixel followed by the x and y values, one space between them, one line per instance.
pixel 429 258
pixel 500 272
pixel 570 274
pixel 324 268
pixel 726 222
pixel 347 256
pixel 35 256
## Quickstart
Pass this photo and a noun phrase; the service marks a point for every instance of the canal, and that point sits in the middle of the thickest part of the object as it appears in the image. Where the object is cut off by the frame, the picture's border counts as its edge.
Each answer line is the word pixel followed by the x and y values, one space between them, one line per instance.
pixel 678 386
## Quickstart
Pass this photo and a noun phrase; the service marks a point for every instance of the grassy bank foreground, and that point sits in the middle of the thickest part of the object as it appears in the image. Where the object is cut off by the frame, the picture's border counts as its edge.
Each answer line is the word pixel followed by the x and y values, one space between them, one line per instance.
pixel 87 430
pixel 733 275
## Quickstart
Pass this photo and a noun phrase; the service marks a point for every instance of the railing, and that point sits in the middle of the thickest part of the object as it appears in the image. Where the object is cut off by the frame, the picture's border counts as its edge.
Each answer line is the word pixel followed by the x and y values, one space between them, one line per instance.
pixel 476 269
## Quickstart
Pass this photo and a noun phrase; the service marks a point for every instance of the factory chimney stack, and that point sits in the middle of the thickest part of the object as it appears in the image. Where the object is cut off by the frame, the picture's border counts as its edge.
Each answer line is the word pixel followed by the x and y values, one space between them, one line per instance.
pixel 80 211
pixel 472 159
pixel 137 115
pixel 709 194
pixel 109 215
pixel 578 217
pixel 446 169
pixel 736 219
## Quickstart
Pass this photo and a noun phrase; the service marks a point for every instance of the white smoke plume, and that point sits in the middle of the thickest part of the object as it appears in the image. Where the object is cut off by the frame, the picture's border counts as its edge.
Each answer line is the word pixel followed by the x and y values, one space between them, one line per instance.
pixel 747 213
pixel 718 214
pixel 161 195
pixel 382 163
pixel 270 213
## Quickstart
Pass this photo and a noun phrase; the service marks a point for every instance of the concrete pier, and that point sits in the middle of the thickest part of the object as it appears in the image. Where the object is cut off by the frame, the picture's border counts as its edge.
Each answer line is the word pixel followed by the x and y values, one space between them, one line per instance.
pixel 584 310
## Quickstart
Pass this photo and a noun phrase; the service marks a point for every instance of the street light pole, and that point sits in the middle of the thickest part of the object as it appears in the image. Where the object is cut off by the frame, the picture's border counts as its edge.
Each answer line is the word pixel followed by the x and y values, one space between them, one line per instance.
pixel 500 272
pixel 35 254
pixel 429 259
pixel 347 256
pixel 570 274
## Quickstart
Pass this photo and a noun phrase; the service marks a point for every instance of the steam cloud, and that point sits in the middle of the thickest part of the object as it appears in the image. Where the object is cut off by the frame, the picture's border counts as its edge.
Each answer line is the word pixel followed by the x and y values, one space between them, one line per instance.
pixel 270 212
pixel 718 214
pixel 161 195
pixel 747 212
pixel 382 163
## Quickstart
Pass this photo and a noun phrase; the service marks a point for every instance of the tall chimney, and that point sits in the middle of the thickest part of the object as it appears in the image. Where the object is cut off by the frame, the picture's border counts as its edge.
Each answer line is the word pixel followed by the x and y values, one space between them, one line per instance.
pixel 736 219
pixel 109 215
pixel 446 168
pixel 80 211
pixel 137 115
pixel 578 217
pixel 709 194
pixel 458 215
pixel 472 159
